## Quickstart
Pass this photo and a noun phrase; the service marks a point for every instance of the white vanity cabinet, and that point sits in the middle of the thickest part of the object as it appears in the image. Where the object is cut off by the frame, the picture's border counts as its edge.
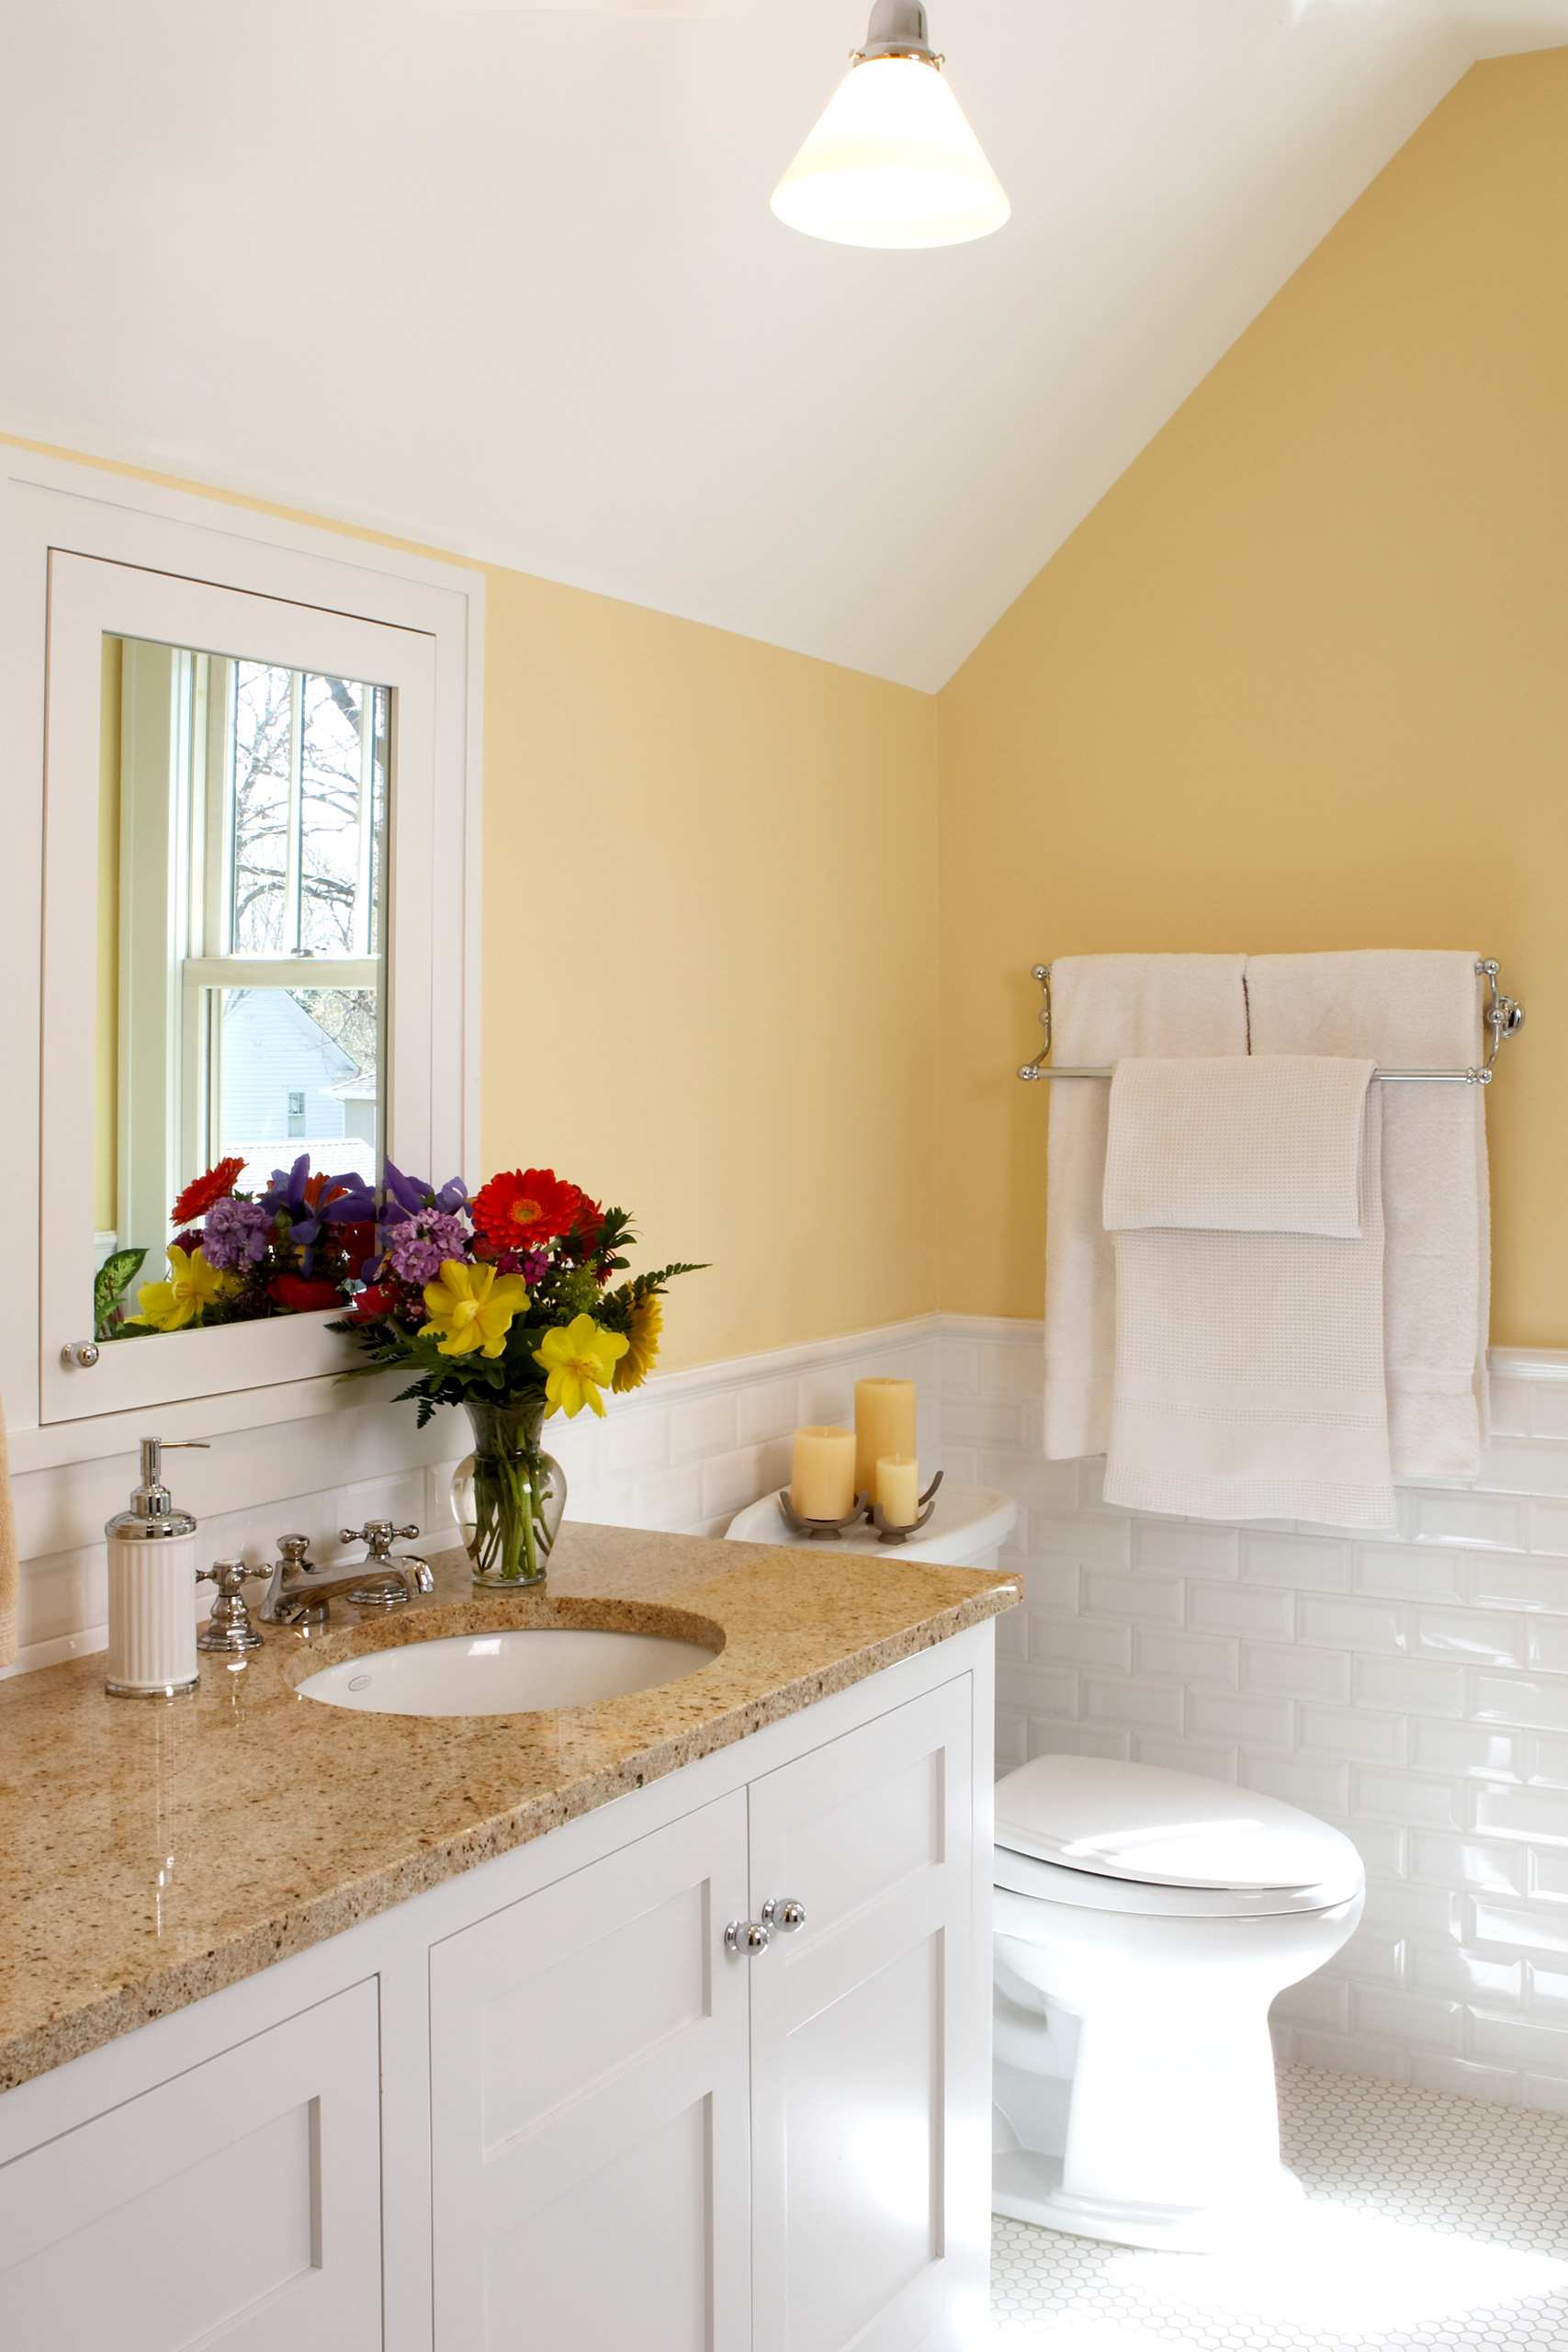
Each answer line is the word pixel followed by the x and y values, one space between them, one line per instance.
pixel 597 2122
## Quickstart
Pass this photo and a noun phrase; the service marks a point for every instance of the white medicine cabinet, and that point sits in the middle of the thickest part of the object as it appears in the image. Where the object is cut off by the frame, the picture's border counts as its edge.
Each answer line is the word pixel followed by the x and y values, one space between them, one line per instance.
pixel 244 825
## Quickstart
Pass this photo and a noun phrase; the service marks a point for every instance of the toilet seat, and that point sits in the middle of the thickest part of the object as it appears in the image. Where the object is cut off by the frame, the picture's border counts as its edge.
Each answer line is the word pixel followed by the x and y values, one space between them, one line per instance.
pixel 1135 1839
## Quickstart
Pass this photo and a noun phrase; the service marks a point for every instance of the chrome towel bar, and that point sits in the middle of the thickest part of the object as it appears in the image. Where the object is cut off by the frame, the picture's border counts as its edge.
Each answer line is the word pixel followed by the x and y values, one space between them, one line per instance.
pixel 1503 1017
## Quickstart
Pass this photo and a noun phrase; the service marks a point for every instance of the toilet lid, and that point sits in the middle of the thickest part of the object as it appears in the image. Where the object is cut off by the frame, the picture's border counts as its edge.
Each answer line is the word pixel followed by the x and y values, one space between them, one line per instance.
pixel 1139 1822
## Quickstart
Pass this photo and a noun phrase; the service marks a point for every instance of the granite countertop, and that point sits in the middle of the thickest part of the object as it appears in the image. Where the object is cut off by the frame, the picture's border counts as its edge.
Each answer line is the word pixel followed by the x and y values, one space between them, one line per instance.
pixel 158 1849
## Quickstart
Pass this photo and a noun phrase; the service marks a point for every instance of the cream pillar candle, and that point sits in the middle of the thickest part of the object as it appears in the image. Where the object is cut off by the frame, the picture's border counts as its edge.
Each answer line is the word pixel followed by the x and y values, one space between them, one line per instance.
pixel 885 1423
pixel 824 1483
pixel 899 1488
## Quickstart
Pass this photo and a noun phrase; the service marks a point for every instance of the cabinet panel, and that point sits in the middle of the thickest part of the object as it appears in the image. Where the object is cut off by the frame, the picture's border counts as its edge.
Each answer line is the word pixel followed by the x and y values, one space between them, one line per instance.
pixel 238 2204
pixel 589 2107
pixel 867 2027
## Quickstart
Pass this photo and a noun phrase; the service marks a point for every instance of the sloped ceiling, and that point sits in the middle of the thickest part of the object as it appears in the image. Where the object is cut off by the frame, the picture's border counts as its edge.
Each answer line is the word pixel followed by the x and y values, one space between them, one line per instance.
pixel 504 279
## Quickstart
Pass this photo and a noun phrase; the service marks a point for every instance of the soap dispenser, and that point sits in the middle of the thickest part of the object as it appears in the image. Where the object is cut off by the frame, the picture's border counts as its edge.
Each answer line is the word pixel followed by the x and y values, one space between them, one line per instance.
pixel 152 1587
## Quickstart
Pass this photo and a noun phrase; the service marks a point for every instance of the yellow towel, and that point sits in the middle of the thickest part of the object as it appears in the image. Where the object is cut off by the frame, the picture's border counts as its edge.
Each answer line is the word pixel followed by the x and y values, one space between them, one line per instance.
pixel 7 1561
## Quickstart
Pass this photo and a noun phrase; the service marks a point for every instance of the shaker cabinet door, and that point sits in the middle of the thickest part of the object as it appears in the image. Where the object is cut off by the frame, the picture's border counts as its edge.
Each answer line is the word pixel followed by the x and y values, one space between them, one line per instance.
pixel 869 2040
pixel 238 2205
pixel 588 2108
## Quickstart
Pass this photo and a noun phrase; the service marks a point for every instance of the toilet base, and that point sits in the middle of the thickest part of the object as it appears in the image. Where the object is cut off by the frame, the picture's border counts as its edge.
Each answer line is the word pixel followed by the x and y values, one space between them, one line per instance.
pixel 1028 2187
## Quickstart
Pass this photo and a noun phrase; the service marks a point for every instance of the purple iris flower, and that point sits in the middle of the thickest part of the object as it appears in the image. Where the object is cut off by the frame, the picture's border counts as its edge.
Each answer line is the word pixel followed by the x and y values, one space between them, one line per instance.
pixel 235 1231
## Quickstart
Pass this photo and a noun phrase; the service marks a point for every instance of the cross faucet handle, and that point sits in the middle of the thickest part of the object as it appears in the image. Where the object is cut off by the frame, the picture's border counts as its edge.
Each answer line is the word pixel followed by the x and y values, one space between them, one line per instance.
pixel 379 1534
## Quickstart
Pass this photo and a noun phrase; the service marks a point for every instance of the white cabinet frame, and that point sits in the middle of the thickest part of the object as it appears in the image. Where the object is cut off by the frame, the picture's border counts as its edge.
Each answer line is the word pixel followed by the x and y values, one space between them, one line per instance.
pixel 49 508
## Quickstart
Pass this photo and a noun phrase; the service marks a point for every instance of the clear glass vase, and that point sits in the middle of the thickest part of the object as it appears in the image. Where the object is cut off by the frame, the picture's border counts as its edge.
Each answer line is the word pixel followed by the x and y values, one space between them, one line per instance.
pixel 507 1495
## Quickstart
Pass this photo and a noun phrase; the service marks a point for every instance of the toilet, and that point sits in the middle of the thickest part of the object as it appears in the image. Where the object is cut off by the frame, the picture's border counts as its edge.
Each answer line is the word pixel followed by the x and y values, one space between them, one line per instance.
pixel 1144 1921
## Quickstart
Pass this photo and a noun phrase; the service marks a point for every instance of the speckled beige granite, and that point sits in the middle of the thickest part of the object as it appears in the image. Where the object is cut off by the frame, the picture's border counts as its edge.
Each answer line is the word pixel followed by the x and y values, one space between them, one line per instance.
pixel 156 1851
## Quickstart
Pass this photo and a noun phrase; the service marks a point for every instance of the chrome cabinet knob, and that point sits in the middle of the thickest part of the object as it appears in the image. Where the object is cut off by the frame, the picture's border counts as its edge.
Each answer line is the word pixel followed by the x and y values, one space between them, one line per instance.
pixel 750 1936
pixel 783 1911
pixel 79 1355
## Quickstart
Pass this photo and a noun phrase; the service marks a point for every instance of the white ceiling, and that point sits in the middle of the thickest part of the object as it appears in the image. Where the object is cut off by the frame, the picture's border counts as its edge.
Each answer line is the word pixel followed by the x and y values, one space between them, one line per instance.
pixel 504 279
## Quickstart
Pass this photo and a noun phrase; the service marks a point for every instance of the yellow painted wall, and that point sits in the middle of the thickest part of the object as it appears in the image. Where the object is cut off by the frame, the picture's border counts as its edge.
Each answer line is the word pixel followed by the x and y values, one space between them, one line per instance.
pixel 1301 681
pixel 106 1095
pixel 710 981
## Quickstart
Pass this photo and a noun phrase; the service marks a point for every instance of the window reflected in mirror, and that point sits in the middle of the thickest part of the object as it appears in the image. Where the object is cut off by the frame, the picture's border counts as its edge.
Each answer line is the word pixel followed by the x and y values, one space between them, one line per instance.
pixel 241 889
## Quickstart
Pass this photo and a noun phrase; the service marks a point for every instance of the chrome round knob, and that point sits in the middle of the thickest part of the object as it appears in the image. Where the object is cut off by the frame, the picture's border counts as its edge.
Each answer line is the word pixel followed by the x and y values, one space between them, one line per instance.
pixel 750 1936
pixel 784 1912
pixel 79 1353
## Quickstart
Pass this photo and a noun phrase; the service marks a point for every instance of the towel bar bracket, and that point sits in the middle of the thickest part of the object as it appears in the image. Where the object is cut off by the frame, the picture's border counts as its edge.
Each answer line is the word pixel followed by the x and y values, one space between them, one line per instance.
pixel 1503 1016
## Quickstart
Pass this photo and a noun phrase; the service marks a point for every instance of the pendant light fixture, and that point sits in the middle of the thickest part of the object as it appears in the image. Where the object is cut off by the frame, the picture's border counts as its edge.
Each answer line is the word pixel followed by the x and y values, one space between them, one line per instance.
pixel 893 162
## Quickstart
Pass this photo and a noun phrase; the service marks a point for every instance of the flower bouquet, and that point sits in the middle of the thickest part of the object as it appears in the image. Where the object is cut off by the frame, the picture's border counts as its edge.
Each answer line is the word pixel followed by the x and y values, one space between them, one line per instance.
pixel 502 1304
pixel 299 1246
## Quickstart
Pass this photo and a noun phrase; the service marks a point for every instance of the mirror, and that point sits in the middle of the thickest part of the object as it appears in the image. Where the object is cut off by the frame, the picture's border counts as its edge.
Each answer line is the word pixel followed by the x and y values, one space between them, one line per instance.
pixel 242 894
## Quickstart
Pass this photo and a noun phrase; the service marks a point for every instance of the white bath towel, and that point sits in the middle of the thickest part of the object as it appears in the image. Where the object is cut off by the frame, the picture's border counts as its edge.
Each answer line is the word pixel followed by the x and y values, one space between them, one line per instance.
pixel 1410 1008
pixel 1249 1362
pixel 1238 1144
pixel 1104 1008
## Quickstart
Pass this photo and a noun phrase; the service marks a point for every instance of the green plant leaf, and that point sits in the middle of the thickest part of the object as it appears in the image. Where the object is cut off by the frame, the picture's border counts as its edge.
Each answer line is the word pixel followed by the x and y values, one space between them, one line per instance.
pixel 110 1284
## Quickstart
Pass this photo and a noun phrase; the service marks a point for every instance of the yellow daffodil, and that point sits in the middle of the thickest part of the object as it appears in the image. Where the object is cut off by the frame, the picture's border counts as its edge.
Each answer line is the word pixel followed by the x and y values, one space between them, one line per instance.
pixel 472 1306
pixel 580 1361
pixel 647 1321
pixel 192 1286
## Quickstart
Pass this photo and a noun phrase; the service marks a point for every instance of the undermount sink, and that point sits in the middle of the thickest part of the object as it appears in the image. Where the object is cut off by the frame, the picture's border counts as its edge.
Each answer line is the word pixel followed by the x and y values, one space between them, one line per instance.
pixel 513 1672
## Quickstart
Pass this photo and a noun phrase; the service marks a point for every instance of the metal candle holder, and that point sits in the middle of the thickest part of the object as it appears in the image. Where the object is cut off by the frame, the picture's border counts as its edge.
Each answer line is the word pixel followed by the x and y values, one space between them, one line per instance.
pixel 885 1534
pixel 821 1530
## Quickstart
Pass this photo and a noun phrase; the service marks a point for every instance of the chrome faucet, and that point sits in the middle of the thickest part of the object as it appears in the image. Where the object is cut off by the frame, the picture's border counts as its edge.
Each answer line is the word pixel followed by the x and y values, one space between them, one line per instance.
pixel 298 1593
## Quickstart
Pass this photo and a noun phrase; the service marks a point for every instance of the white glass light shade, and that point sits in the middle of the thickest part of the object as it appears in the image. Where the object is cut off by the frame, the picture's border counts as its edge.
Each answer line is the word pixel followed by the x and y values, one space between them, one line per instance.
pixel 892 161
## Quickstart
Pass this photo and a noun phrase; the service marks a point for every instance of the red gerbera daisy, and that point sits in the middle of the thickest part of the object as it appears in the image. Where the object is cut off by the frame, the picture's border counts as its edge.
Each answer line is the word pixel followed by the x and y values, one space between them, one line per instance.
pixel 198 1197
pixel 585 1228
pixel 525 1209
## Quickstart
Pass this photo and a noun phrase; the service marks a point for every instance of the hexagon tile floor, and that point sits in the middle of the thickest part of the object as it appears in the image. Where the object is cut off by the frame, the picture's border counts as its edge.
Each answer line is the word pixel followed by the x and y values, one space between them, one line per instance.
pixel 1430 2221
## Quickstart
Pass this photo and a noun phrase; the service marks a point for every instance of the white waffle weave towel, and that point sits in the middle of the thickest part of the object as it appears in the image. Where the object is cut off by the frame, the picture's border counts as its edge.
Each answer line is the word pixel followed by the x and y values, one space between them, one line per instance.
pixel 1244 1198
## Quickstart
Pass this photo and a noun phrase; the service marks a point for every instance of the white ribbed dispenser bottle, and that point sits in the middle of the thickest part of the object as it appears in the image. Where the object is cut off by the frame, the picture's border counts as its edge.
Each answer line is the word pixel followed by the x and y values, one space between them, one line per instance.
pixel 152 1588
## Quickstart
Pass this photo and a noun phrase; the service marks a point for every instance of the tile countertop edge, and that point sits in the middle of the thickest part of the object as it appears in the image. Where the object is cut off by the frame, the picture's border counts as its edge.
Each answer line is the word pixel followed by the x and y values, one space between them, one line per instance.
pixel 35 2049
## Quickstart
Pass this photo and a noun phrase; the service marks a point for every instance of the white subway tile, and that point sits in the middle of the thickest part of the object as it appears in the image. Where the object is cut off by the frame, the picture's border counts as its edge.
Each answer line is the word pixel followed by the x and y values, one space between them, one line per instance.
pixel 1080 1641
pixel 1472 1636
pixel 768 1408
pixel 1011 1370
pixel 1468 1862
pixel 1217 1715
pixel 1436 2071
pixel 668 1497
pixel 1380 1846
pixel 1510 1402
pixel 1241 1608
pixel 1489 1523
pixel 1155 1599
pixel 1130 1703
pixel 1537 1813
pixel 730 1481
pixel 1505 1582
pixel 1549 1643
pixel 1548 1988
pixel 1419 1913
pixel 1350 2054
pixel 1042 1689
pixel 1012 1739
pixel 1186 1547
pixel 1188 1658
pixel 1523 1466
pixel 1350 1734
pixel 1412 1687
pixel 1051 1586
pixel 1449 1748
pixel 1084 1536
pixel 1409 2017
pixel 1468 1975
pixel 1518 1927
pixel 1358 1624
pixel 1317 1788
pixel 1518 2042
pixel 1411 1572
pixel 1372 1959
pixel 1012 1636
pixel 1549 1760
pixel 1548 1877
pixel 1318 2001
pixel 1185 1756
pixel 990 1422
pixel 1549 1406
pixel 1056 1738
pixel 1549 1528
pixel 1293 1672
pixel 1547 2091
pixel 961 1464
pixel 960 1374
pixel 1309 1564
pixel 1402 1796
pixel 1527 1699
pixel 702 1425
pixel 631 1441
pixel 827 1397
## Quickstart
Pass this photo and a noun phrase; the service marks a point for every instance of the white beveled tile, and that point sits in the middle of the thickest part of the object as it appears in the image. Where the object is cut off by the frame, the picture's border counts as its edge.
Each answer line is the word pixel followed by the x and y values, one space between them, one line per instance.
pixel 1532 1701
pixel 768 1408
pixel 1466 1748
pixel 1406 1572
pixel 1213 1763
pixel 1186 1546
pixel 1476 1636
pixel 1538 1815
pixel 1203 1658
pixel 1320 2000
pixel 1410 1686
pixel 1549 1878
pixel 702 1425
pixel 1444 1967
pixel 1159 1601
pixel 1409 2017
pixel 1085 1536
pixel 1352 1624
pixel 1486 1522
pixel 1548 1638
pixel 1518 2042
pixel 1080 1641
pixel 1306 1563
pixel 1354 1735
pixel 1491 1869
pixel 1549 1532
pixel 1132 1703
pixel 1252 1723
pixel 1406 1797
pixel 1261 1610
pixel 1058 1736
pixel 1322 1788
pixel 1295 1671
